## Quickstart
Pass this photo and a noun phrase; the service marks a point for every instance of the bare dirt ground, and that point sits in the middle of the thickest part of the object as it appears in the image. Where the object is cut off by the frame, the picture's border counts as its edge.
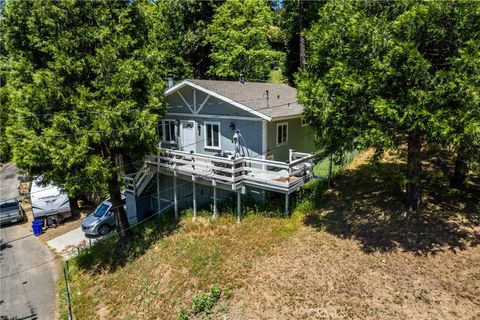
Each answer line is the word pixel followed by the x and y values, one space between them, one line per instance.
pixel 360 257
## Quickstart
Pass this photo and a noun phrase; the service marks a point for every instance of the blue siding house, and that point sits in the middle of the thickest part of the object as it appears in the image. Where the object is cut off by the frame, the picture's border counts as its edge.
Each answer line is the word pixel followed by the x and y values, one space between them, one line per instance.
pixel 223 139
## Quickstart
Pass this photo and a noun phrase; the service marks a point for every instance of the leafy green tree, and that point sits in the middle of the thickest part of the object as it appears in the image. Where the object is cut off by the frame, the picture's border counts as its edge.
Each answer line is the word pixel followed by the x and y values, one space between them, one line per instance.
pixel 373 70
pixel 85 83
pixel 240 39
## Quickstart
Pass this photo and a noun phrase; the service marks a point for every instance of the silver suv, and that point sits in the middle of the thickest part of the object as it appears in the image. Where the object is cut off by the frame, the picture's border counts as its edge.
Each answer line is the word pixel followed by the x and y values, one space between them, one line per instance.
pixel 100 221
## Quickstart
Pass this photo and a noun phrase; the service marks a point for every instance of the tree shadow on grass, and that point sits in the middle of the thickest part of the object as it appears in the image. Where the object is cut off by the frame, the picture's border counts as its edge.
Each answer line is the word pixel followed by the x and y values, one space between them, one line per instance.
pixel 367 205
pixel 109 254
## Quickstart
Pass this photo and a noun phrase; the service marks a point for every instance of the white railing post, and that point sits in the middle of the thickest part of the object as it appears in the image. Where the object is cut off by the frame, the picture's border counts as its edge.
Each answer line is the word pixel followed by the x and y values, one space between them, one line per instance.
pixel 286 205
pixel 158 193
pixel 175 202
pixel 239 204
pixel 215 213
pixel 194 199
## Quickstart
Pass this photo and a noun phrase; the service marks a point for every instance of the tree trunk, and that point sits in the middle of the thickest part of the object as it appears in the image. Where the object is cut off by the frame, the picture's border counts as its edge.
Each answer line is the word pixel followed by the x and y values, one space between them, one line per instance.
pixel 461 169
pixel 414 170
pixel 300 34
pixel 123 227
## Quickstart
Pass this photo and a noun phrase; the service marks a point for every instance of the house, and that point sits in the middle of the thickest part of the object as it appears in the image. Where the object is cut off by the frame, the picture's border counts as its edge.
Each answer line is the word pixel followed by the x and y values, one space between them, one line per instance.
pixel 224 139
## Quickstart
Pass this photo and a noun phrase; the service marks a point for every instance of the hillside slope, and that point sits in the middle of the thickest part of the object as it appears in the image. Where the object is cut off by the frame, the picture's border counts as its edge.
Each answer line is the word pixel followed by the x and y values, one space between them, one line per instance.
pixel 357 256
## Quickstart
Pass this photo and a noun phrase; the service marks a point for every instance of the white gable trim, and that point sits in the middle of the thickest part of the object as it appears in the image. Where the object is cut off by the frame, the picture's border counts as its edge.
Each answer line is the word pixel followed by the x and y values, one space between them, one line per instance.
pixel 185 101
pixel 212 116
pixel 203 104
pixel 218 96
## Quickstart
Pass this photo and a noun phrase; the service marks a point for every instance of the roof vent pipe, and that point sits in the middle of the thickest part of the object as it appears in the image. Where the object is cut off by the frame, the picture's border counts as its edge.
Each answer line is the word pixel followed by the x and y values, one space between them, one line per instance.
pixel 170 80
pixel 242 78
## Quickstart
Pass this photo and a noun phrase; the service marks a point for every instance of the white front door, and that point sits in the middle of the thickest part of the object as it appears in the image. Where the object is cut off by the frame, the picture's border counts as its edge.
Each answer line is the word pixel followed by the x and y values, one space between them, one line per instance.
pixel 189 136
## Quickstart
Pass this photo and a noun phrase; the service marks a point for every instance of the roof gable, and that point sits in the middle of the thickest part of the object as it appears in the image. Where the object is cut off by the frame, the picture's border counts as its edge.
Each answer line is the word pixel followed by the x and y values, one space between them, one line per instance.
pixel 250 96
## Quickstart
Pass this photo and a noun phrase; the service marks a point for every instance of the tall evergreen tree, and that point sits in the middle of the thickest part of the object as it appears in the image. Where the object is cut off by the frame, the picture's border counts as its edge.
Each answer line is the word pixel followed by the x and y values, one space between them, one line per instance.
pixel 85 84
pixel 240 39
pixel 459 87
pixel 297 17
pixel 181 26
pixel 373 70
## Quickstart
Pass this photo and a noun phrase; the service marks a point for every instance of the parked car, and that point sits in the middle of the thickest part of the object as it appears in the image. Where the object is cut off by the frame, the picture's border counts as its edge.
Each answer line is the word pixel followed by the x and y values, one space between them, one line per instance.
pixel 100 221
pixel 11 211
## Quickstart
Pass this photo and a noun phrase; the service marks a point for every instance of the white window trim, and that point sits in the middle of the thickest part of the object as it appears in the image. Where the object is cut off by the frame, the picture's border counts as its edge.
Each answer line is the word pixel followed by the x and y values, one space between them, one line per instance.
pixel 164 131
pixel 219 135
pixel 278 125
pixel 302 120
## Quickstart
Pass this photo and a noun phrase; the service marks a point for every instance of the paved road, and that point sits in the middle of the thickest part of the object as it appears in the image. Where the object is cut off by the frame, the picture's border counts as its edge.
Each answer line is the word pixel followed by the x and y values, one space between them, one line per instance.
pixel 27 267
pixel 8 182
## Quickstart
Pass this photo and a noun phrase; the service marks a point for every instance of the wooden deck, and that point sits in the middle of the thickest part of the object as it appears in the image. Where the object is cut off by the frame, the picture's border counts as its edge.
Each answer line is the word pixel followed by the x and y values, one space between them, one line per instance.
pixel 236 173
pixel 225 173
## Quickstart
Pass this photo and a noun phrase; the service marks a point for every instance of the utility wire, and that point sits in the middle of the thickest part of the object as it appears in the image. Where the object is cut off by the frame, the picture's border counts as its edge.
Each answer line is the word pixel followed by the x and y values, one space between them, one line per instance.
pixel 70 112
pixel 114 232
pixel 117 131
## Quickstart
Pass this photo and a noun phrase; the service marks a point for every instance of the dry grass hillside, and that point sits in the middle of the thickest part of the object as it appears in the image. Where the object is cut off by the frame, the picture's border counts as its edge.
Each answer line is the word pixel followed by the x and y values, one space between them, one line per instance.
pixel 356 256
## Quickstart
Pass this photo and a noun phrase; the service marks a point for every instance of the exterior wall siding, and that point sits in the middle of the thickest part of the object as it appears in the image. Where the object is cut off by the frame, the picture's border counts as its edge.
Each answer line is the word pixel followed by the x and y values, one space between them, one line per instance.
pixel 216 111
pixel 300 138
pixel 213 106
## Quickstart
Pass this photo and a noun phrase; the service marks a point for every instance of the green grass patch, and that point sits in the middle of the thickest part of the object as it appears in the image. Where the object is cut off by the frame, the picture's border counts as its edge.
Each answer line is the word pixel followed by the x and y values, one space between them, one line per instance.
pixel 338 163
pixel 202 304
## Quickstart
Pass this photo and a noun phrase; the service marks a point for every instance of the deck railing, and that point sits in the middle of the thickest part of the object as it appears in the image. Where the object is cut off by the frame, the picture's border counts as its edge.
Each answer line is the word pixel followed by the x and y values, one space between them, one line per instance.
pixel 260 173
pixel 137 182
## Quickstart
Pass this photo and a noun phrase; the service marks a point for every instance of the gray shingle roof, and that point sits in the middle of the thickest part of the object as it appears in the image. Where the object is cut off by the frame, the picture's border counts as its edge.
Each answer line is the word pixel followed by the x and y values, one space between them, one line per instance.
pixel 282 100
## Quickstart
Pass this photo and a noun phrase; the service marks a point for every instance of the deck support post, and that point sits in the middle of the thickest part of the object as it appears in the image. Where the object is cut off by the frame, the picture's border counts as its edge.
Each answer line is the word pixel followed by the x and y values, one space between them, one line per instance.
pixel 286 205
pixel 215 213
pixel 239 205
pixel 194 199
pixel 158 193
pixel 175 202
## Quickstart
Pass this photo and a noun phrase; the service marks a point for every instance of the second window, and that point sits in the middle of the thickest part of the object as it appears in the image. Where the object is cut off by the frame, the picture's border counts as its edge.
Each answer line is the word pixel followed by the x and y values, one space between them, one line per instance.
pixel 212 135
pixel 282 133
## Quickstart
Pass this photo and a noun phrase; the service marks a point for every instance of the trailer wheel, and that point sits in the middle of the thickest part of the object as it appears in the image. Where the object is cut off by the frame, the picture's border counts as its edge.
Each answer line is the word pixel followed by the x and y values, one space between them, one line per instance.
pixel 53 221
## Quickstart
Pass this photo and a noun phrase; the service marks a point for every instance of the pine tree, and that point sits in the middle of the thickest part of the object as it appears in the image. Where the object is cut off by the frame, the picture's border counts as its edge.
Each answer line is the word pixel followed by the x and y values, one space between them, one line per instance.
pixel 239 36
pixel 85 86
pixel 374 76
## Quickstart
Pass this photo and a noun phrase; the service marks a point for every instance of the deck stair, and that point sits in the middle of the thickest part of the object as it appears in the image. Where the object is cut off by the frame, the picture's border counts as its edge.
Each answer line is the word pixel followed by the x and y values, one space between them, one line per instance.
pixel 138 182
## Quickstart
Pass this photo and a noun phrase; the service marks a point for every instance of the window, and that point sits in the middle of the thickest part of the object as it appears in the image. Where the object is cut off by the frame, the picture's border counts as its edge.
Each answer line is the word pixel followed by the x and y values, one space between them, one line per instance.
pixel 169 130
pixel 304 122
pixel 9 206
pixel 212 135
pixel 282 133
pixel 101 209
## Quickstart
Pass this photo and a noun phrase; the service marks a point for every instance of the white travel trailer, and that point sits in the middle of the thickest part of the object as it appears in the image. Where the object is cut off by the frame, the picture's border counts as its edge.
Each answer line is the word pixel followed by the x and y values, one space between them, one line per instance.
pixel 49 202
